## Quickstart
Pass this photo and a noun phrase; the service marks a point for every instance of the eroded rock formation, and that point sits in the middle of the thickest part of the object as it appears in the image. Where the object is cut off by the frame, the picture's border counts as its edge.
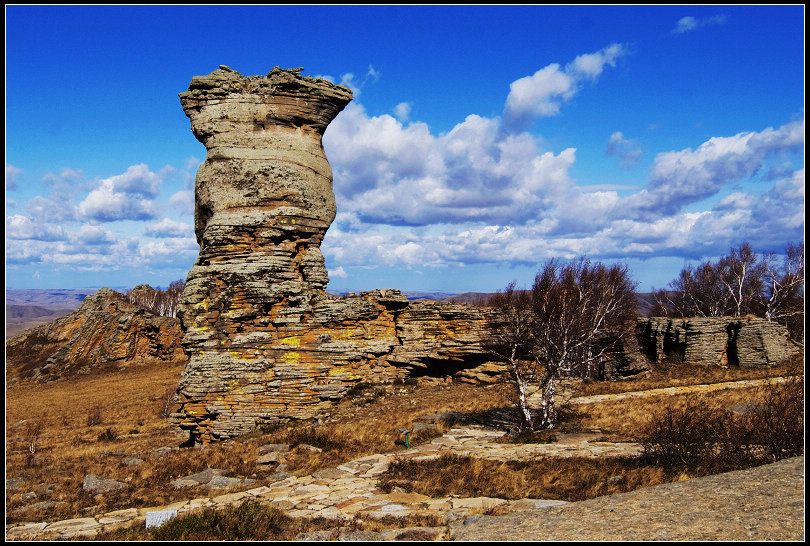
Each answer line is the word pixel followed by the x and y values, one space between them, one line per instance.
pixel 105 330
pixel 265 342
pixel 716 341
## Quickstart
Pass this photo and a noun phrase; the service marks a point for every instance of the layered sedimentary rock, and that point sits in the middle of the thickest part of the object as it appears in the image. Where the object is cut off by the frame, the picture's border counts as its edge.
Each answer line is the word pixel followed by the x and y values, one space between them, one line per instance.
pixel 720 341
pixel 105 330
pixel 265 342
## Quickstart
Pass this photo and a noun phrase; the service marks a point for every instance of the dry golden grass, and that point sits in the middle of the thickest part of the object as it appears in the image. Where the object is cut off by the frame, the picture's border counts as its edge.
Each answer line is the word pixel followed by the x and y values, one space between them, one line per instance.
pixel 564 478
pixel 370 422
pixel 250 520
pixel 67 421
pixel 621 420
pixel 127 405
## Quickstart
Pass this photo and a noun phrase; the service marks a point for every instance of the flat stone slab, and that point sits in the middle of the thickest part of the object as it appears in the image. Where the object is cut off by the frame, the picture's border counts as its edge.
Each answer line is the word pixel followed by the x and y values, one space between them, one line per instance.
pixel 268 448
pixel 118 516
pixel 74 527
pixel 159 517
pixel 25 531
pixel 477 503
pixel 533 504
pixel 224 482
pixel 197 479
pixel 97 484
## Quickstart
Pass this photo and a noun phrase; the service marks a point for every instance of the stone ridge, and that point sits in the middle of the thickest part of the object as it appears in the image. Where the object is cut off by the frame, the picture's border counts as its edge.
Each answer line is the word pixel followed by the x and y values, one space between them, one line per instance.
pixel 297 367
pixel 105 329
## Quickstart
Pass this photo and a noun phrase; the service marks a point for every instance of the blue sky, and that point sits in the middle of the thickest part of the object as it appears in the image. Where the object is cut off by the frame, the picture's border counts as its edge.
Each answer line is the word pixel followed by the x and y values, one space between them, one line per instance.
pixel 481 141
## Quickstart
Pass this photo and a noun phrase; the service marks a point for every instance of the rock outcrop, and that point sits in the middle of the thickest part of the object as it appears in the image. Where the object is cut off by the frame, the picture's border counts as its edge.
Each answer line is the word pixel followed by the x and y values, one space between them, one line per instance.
pixel 716 341
pixel 105 330
pixel 264 340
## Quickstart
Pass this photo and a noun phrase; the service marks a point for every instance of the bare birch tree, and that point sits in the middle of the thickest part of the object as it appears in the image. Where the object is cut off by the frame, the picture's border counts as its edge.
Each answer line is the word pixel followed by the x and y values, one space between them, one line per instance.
pixel 157 301
pixel 784 284
pixel 740 274
pixel 572 319
pixel 740 284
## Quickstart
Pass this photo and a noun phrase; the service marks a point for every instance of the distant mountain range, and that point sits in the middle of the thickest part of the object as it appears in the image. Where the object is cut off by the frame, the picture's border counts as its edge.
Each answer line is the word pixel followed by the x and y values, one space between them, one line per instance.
pixel 29 308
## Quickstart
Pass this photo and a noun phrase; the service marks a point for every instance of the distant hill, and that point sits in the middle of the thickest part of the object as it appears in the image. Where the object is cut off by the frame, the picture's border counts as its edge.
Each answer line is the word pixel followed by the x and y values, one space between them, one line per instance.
pixel 646 300
pixel 26 309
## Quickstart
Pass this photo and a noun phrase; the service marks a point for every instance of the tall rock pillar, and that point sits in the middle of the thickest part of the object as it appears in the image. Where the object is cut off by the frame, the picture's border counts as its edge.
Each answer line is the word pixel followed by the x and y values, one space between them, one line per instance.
pixel 263 203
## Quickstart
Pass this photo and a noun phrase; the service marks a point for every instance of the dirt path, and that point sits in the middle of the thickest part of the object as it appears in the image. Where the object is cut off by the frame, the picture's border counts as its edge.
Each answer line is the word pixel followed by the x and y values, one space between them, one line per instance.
pixel 684 389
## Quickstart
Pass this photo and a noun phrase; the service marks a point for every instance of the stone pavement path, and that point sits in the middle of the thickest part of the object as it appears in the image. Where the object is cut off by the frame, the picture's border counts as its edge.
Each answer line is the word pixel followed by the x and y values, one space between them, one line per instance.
pixel 350 490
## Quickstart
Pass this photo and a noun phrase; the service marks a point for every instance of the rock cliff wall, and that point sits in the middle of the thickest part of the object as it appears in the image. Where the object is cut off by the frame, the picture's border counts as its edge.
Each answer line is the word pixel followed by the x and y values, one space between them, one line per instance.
pixel 715 341
pixel 265 342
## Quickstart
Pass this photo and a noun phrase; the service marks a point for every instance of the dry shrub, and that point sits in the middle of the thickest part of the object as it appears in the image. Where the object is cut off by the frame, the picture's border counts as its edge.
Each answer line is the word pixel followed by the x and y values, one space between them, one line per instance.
pixel 108 435
pixel 705 438
pixel 684 435
pixel 249 520
pixel 776 422
pixel 166 404
pixel 94 417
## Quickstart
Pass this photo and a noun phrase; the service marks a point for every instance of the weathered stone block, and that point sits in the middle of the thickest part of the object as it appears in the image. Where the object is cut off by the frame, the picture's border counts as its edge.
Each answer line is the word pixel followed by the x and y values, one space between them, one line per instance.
pixel 715 341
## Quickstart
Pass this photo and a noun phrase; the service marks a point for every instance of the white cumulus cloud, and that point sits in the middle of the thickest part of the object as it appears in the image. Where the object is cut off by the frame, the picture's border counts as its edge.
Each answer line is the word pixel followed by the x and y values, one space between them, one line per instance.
pixel 169 228
pixel 23 228
pixel 127 196
pixel 689 23
pixel 543 93
pixel 679 178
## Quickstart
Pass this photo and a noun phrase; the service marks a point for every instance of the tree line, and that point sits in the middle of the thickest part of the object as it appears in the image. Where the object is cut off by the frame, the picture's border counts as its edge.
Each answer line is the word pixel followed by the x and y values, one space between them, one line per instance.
pixel 155 300
pixel 577 315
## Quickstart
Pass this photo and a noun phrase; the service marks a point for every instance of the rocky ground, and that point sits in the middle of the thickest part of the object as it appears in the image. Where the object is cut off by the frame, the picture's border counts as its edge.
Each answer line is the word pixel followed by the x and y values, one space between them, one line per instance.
pixel 762 503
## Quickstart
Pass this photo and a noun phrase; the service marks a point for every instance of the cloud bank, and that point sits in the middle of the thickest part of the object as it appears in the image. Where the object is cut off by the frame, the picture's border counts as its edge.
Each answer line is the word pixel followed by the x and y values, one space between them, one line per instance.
pixel 485 192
